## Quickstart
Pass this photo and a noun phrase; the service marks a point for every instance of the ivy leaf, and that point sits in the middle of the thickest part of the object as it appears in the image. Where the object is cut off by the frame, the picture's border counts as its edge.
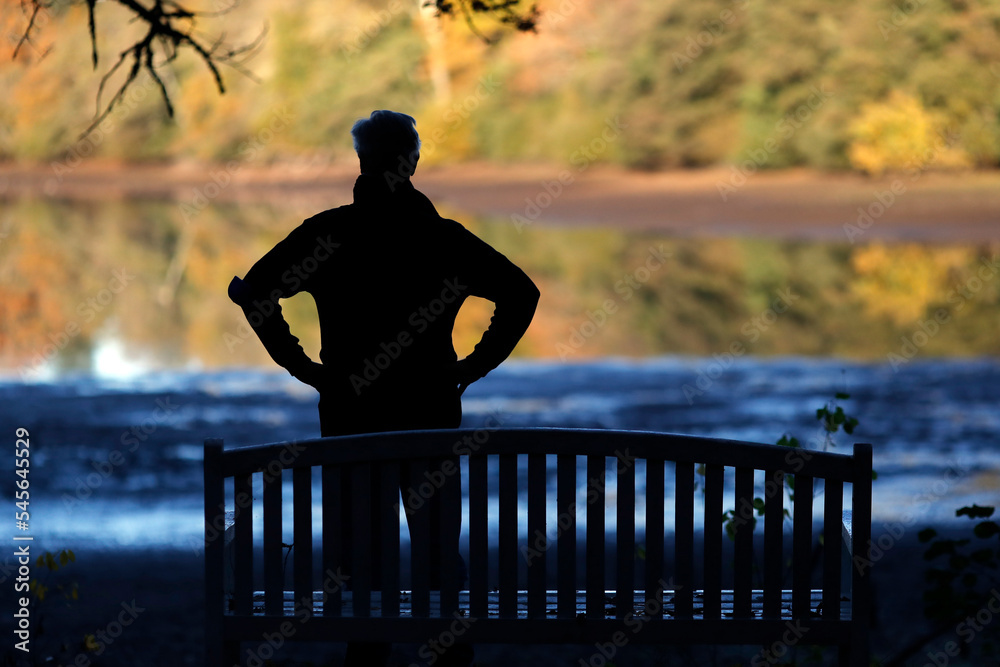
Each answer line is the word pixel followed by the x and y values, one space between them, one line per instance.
pixel 975 512
pixel 939 548
pixel 983 557
pixel 986 529
pixel 927 534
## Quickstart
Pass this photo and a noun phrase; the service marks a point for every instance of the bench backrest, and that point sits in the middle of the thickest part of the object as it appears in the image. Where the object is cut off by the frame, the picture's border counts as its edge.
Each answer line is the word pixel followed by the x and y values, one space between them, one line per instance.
pixel 533 532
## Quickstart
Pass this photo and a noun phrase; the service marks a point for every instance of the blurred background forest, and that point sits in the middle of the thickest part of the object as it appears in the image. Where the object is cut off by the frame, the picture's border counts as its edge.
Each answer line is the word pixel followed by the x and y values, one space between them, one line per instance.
pixel 698 83
pixel 873 87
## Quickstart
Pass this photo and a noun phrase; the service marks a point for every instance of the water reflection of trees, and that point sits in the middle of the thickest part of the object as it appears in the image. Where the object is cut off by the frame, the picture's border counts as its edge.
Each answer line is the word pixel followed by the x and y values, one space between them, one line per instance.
pixel 603 293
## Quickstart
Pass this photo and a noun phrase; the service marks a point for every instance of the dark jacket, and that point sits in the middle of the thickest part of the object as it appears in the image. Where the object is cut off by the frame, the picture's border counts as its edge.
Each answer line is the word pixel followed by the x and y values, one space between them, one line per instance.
pixel 388 275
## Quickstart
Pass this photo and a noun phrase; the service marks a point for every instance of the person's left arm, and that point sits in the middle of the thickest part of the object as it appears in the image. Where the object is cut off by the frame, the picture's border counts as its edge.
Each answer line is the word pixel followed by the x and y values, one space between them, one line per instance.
pixel 487 273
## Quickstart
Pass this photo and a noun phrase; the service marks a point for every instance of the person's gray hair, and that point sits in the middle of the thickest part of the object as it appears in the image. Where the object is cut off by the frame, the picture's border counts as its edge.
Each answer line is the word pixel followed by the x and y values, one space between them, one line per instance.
pixel 387 140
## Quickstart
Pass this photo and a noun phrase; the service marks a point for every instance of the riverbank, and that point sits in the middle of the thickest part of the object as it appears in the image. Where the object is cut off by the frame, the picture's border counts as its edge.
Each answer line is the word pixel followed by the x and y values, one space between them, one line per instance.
pixel 798 203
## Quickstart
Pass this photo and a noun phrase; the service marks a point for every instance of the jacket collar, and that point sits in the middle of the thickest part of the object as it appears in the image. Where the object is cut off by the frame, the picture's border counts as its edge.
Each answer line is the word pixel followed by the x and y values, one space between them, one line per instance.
pixel 377 190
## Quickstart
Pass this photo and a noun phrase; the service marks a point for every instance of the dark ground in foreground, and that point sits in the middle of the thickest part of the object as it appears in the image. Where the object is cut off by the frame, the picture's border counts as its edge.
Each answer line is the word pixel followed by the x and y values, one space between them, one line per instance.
pixel 166 587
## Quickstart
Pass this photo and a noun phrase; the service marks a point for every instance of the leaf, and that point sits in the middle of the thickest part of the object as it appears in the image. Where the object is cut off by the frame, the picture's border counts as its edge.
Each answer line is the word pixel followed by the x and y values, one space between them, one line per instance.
pixel 983 556
pixel 874 475
pixel 90 643
pixel 939 548
pixel 986 529
pixel 841 396
pixel 927 534
pixel 975 512
pixel 958 562
pixel 758 504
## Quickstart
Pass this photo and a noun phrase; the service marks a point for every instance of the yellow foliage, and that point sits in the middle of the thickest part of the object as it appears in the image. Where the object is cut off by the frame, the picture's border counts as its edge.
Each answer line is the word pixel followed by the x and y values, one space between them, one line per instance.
pixel 899 134
pixel 901 282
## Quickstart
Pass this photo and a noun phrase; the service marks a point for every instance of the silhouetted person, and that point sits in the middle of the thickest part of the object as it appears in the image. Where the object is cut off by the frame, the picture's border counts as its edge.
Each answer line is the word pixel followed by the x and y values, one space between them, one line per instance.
pixel 388 275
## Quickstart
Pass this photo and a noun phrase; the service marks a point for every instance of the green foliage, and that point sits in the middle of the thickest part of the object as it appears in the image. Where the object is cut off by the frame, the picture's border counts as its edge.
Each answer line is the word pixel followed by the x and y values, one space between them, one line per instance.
pixel 50 587
pixel 833 419
pixel 963 577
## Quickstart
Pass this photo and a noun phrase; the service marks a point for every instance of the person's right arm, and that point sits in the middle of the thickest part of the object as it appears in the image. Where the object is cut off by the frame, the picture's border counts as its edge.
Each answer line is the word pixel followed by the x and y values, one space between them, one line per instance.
pixel 279 275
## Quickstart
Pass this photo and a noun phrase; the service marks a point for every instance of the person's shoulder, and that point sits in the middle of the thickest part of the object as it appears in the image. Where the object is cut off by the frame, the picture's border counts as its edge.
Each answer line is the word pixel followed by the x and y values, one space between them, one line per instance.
pixel 331 216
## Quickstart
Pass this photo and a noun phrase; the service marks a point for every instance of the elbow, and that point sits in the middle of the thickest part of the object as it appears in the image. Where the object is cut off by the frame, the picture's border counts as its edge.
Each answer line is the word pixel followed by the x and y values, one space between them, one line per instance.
pixel 531 293
pixel 238 291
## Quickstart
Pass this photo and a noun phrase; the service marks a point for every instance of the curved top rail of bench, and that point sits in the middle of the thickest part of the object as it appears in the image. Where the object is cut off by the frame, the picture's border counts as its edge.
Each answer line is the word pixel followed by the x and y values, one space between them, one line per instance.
pixel 406 445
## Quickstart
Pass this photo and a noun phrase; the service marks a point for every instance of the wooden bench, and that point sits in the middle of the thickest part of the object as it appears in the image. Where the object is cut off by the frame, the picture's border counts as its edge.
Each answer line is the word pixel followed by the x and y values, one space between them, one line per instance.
pixel 585 584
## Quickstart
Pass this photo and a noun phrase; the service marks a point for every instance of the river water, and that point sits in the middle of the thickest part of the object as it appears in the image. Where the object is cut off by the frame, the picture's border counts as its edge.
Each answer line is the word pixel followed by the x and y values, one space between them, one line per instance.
pixel 116 457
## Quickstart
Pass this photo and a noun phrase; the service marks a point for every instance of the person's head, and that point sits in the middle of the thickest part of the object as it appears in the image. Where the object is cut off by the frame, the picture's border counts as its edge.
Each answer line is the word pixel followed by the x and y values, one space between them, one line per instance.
pixel 387 142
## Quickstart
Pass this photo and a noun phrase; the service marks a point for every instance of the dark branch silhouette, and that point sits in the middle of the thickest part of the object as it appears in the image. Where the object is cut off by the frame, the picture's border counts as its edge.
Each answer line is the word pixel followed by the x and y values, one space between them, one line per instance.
pixel 511 13
pixel 170 28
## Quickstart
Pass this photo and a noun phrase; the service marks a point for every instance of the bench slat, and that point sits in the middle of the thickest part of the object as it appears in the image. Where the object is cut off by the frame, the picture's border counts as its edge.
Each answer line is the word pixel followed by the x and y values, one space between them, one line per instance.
pixel 536 535
pixel 302 532
pixel 774 520
pixel 389 490
pixel 449 509
pixel 714 478
pixel 625 535
pixel 333 538
pixel 361 538
pixel 566 513
pixel 654 534
pixel 508 534
pixel 684 540
pixel 478 534
pixel 596 537
pixel 243 544
pixel 419 519
pixel 802 545
pixel 744 523
pixel 273 583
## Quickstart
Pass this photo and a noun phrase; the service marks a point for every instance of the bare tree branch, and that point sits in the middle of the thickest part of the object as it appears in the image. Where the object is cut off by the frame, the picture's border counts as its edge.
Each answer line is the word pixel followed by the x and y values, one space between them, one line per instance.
pixel 510 12
pixel 170 28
